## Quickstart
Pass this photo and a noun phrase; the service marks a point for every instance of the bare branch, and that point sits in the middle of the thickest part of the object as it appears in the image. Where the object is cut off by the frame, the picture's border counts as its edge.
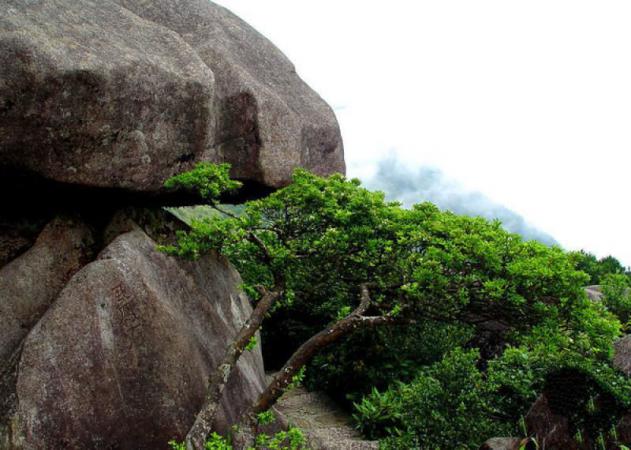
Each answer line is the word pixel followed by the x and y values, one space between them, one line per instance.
pixel 196 437
pixel 365 300
pixel 308 349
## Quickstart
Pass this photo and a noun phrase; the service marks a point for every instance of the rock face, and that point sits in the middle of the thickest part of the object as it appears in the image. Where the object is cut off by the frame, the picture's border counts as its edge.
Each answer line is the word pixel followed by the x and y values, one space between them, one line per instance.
pixel 507 443
pixel 100 102
pixel 573 411
pixel 30 283
pixel 622 355
pixel 124 94
pixel 552 430
pixel 594 292
pixel 122 357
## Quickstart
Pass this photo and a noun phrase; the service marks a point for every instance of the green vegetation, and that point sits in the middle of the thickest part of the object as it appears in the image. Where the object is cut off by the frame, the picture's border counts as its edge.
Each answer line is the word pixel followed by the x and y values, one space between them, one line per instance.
pixel 292 439
pixel 448 405
pixel 616 289
pixel 596 268
pixel 439 330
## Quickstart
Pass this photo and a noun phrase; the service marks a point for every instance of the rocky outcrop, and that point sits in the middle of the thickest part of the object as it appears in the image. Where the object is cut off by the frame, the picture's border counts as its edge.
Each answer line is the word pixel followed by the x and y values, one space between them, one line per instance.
pixel 508 443
pixel 122 357
pixel 100 102
pixel 551 429
pixel 124 94
pixel 30 283
pixel 594 292
pixel 622 355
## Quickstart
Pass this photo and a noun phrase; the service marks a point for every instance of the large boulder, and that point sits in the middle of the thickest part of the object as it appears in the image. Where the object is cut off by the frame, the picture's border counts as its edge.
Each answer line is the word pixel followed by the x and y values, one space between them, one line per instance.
pixel 622 355
pixel 122 357
pixel 31 282
pixel 550 427
pixel 594 292
pixel 124 94
pixel 17 235
pixel 28 285
pixel 509 443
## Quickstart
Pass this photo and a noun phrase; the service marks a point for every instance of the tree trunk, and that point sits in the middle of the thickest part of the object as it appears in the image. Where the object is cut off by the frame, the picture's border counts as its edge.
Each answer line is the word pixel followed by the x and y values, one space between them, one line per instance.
pixel 306 351
pixel 196 437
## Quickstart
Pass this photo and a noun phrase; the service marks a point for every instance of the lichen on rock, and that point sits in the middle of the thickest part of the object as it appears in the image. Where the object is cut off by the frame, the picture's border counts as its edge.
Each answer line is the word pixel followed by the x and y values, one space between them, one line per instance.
pixel 126 94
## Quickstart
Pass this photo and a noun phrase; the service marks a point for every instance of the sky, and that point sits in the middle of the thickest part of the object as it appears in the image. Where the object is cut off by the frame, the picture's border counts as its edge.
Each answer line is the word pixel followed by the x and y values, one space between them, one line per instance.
pixel 524 104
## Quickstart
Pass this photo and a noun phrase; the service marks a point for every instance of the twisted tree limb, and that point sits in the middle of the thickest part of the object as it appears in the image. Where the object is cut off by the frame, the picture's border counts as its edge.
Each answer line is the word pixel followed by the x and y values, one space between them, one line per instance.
pixel 196 437
pixel 316 343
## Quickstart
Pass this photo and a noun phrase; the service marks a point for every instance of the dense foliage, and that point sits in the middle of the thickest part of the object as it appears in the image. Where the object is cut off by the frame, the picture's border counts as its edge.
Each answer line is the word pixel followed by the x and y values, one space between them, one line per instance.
pixel 616 289
pixel 292 439
pixel 480 321
pixel 372 359
pixel 452 403
pixel 598 269
pixel 448 405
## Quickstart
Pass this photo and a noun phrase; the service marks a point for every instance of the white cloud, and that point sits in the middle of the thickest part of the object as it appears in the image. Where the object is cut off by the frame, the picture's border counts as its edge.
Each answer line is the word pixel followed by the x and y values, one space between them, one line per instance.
pixel 526 102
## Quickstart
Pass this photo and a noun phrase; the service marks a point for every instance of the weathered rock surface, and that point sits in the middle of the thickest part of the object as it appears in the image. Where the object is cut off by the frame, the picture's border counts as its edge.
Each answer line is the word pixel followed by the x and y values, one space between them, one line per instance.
pixel 594 292
pixel 121 358
pixel 100 102
pixel 325 425
pixel 552 430
pixel 622 355
pixel 92 94
pixel 502 443
pixel 125 94
pixel 30 283
pixel 17 236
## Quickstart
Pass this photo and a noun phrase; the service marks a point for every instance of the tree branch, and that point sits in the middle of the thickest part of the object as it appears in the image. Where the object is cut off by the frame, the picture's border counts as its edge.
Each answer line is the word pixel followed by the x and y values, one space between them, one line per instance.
pixel 365 300
pixel 312 346
pixel 252 237
pixel 267 255
pixel 196 437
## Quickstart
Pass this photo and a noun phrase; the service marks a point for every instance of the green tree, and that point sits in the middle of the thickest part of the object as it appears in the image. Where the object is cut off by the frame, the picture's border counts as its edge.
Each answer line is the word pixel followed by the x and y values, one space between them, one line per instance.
pixel 455 404
pixel 596 268
pixel 616 289
pixel 351 261
pixel 448 405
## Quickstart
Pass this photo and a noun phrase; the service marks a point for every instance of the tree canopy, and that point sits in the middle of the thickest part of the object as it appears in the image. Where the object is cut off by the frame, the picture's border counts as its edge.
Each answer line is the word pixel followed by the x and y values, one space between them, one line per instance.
pixel 340 258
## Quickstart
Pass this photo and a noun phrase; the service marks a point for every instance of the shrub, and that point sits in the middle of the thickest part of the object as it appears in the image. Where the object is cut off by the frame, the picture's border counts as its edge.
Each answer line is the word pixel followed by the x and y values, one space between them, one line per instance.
pixel 377 358
pixel 616 290
pixel 455 404
pixel 292 439
pixel 447 406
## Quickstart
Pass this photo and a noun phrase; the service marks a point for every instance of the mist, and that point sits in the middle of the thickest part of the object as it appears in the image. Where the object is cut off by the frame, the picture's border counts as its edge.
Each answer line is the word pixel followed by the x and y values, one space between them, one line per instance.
pixel 414 185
